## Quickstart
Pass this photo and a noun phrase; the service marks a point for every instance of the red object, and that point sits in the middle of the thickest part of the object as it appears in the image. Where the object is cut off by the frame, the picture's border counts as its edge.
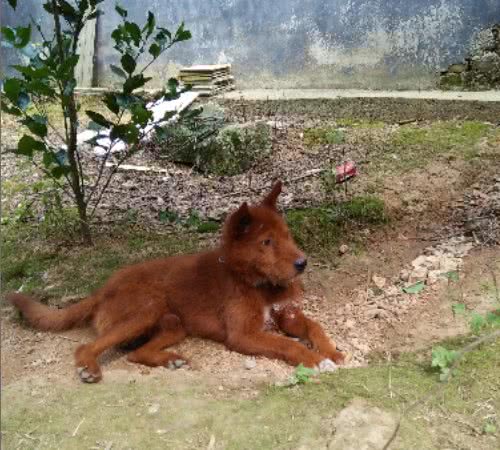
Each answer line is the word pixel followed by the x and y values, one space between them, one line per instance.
pixel 345 171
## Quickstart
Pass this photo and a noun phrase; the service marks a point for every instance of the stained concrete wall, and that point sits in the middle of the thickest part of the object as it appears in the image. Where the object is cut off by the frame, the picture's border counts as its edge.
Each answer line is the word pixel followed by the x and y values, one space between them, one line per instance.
pixel 311 43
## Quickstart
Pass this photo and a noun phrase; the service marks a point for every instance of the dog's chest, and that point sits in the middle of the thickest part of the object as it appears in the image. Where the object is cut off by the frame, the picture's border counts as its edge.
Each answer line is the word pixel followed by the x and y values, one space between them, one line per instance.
pixel 268 323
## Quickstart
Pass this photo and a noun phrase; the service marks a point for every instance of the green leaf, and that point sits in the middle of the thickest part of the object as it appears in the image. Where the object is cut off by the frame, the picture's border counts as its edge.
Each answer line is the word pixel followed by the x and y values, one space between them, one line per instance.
pixel 140 115
pixel 37 127
pixel 23 101
pixel 23 36
pixel 493 318
pixel 150 24
pixel 458 308
pixel 59 171
pixel 12 87
pixel 452 275
pixel 154 50
pixel 66 69
pixel 489 428
pixel 99 119
pixel 135 82
pixel 414 288
pixel 123 12
pixel 9 34
pixel 27 145
pixel 49 159
pixel 31 72
pixel 13 110
pixel 303 374
pixel 126 132
pixel 110 101
pixel 128 63
pixel 41 88
pixel 67 11
pixel 181 34
pixel 117 71
pixel 443 358
pixel 134 32
pixel 477 322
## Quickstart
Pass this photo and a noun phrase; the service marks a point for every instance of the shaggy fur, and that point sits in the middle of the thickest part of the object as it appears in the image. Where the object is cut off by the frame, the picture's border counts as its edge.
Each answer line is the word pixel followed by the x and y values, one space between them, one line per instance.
pixel 225 295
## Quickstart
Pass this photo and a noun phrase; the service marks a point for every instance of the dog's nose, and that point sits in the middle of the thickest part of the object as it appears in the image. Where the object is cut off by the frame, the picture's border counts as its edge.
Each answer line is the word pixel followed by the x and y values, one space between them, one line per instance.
pixel 300 264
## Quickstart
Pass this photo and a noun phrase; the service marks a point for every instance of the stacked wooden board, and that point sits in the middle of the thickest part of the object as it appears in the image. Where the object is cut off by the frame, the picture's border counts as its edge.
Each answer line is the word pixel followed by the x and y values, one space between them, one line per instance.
pixel 208 79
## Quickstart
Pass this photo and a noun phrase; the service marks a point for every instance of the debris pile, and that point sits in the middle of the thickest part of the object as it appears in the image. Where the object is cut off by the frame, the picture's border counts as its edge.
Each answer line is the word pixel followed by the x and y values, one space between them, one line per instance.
pixel 481 69
pixel 478 213
pixel 208 79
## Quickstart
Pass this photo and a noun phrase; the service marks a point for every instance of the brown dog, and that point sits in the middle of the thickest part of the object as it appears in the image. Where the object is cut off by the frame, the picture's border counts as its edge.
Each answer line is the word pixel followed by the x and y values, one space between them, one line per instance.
pixel 225 294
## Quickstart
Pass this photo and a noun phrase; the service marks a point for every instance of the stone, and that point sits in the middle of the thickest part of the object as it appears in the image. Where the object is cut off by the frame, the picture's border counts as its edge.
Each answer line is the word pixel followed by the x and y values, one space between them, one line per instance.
pixel 343 249
pixel 349 323
pixel 457 68
pixel 379 281
pixel 250 363
pixel 419 274
pixel 361 426
pixel 419 261
pixel 404 275
pixel 449 264
pixel 434 276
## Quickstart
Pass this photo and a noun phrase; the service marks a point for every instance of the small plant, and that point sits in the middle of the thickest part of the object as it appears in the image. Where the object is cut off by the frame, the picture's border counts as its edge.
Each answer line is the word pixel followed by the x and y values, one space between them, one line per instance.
pixel 442 359
pixel 49 76
pixel 321 229
pixel 193 221
pixel 323 135
pixel 210 147
pixel 301 375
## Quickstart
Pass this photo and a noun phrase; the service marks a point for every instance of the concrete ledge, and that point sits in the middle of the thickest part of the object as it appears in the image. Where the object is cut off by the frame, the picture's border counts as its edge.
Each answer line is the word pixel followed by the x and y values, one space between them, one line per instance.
pixel 302 94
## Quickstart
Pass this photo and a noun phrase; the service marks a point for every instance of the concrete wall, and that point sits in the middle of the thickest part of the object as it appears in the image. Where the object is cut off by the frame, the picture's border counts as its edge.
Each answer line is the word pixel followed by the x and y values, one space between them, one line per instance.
pixel 312 43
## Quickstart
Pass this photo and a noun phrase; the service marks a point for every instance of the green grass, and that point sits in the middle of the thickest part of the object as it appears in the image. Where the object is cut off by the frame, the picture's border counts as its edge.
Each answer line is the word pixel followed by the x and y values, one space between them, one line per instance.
pixel 192 411
pixel 323 135
pixel 58 269
pixel 320 230
pixel 416 146
pixel 351 122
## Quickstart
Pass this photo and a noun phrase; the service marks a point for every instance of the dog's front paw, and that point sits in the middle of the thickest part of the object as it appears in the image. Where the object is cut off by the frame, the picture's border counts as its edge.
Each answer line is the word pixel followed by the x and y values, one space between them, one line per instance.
pixel 177 363
pixel 87 376
pixel 327 365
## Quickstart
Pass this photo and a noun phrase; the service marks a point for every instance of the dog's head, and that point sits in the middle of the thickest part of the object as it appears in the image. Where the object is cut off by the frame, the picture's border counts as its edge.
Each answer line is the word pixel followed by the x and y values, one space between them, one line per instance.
pixel 258 245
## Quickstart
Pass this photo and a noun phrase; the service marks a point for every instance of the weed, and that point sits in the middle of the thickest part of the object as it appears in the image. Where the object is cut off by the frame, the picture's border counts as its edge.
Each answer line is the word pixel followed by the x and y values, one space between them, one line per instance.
pixel 194 221
pixel 319 230
pixel 415 146
pixel 323 135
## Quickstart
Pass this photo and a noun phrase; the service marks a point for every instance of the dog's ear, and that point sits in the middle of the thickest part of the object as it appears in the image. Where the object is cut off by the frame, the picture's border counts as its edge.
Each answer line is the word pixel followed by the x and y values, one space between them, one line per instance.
pixel 241 220
pixel 270 199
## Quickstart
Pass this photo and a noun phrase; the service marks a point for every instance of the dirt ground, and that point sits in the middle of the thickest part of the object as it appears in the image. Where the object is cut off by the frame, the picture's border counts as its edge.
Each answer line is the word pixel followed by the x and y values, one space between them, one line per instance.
pixel 359 300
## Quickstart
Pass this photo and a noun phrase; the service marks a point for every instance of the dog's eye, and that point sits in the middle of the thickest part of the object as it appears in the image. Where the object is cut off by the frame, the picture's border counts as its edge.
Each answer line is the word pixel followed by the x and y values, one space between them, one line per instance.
pixel 266 242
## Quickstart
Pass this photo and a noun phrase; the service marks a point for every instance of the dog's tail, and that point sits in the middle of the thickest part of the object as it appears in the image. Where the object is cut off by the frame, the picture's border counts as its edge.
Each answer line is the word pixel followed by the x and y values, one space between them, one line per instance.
pixel 45 318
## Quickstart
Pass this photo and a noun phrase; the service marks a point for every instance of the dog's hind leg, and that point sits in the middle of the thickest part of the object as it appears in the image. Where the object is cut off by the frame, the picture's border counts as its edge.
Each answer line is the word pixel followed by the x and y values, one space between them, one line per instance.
pixel 169 332
pixel 86 355
pixel 292 321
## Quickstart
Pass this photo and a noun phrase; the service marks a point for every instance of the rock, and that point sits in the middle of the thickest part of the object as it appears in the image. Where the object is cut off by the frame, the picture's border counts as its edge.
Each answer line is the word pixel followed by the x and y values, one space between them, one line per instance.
pixel 449 264
pixel 419 261
pixel 379 281
pixel 434 276
pixel 361 426
pixel 154 408
pixel 457 68
pixel 250 363
pixel 419 274
pixel 391 291
pixel 343 249
pixel 404 275
pixel 349 323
